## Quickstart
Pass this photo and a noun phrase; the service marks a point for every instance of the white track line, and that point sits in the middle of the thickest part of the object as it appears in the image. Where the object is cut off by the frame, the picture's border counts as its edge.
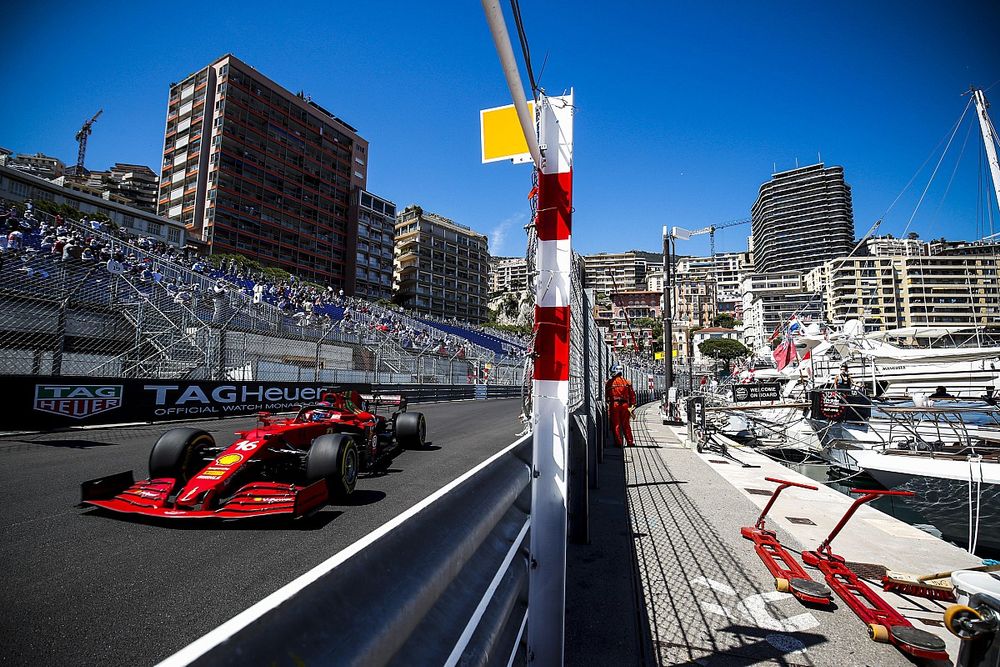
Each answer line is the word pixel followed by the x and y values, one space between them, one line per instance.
pixel 203 645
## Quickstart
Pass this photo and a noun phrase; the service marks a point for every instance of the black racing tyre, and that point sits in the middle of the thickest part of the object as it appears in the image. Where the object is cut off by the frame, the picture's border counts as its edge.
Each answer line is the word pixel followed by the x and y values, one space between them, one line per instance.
pixel 411 430
pixel 175 454
pixel 334 457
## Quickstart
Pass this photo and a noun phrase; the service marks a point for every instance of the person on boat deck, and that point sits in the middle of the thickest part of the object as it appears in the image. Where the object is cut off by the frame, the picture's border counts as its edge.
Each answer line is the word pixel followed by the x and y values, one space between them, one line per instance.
pixel 941 392
pixel 990 396
pixel 843 379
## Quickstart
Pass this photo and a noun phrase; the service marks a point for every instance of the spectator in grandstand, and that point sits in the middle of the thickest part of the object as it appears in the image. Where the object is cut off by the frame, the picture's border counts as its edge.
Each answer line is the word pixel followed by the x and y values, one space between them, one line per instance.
pixel 15 241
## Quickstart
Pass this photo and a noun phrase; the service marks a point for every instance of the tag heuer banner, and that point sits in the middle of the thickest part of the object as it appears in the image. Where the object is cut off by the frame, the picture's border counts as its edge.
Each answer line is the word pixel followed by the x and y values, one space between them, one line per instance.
pixel 45 402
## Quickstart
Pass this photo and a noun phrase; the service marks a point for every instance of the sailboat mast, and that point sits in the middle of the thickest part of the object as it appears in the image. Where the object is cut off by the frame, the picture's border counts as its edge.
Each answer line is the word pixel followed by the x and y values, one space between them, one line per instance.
pixel 989 138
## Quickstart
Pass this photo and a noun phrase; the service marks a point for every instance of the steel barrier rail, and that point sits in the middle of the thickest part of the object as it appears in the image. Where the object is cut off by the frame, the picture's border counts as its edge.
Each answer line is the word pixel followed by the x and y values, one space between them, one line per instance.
pixel 446 582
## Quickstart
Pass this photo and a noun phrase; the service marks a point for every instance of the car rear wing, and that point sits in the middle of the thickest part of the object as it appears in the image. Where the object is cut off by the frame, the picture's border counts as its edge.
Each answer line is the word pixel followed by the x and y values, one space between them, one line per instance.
pixel 378 400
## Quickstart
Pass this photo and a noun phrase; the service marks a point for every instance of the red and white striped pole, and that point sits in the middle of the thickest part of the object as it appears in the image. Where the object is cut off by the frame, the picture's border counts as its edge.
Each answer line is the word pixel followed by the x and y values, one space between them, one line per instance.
pixel 550 387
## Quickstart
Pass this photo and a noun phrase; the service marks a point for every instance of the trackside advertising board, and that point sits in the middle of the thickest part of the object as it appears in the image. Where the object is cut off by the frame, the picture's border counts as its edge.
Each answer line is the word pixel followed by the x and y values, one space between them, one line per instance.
pixel 41 402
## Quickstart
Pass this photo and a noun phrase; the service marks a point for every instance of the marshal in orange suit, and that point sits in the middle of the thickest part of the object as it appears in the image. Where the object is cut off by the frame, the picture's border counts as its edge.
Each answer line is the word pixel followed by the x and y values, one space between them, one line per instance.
pixel 620 395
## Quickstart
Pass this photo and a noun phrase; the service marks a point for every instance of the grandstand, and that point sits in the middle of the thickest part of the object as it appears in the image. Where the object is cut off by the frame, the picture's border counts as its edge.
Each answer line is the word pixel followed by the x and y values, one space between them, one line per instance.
pixel 80 298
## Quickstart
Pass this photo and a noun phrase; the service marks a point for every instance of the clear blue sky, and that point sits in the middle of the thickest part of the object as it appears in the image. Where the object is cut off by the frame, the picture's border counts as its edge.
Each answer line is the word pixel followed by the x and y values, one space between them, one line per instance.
pixel 683 108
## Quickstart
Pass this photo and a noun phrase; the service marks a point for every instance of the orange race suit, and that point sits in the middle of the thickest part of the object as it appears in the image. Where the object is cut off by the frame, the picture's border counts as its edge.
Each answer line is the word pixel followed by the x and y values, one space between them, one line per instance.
pixel 620 396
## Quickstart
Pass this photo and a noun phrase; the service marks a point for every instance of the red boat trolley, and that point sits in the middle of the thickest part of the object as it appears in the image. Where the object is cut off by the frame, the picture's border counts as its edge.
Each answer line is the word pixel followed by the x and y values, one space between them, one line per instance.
pixel 789 576
pixel 885 624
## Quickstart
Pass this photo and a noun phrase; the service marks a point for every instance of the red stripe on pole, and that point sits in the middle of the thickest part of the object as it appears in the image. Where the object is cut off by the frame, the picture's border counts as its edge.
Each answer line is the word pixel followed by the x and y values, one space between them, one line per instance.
pixel 552 343
pixel 554 206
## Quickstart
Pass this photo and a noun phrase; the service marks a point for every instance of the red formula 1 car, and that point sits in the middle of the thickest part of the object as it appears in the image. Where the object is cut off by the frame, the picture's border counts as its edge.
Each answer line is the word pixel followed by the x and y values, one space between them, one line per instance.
pixel 290 466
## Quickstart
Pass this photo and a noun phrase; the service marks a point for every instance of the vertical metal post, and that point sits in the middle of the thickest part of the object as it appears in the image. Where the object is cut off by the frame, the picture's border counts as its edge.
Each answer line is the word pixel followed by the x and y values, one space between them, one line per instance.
pixel 668 318
pixel 550 386
pixel 57 353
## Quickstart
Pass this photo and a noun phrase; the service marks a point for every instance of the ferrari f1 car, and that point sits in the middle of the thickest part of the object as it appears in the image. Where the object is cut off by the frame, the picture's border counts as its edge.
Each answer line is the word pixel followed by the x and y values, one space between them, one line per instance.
pixel 283 466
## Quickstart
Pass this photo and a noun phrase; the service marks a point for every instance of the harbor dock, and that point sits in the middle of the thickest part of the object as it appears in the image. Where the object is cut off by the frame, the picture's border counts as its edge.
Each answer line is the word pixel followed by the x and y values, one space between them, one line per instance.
pixel 667 578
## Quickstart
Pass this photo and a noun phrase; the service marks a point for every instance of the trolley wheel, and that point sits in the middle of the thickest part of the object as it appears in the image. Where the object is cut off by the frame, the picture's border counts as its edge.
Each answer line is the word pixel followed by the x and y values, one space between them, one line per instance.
pixel 954 617
pixel 781 585
pixel 878 633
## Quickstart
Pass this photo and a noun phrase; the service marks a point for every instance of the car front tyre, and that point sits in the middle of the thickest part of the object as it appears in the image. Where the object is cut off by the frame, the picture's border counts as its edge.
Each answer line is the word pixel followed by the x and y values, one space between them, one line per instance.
pixel 334 457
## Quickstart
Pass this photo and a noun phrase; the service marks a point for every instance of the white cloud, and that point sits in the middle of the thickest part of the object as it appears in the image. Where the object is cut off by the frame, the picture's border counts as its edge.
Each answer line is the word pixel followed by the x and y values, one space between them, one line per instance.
pixel 499 233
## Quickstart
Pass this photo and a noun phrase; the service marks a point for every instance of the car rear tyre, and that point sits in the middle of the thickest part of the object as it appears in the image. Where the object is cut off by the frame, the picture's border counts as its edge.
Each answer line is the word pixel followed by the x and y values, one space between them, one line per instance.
pixel 411 430
pixel 334 457
pixel 176 453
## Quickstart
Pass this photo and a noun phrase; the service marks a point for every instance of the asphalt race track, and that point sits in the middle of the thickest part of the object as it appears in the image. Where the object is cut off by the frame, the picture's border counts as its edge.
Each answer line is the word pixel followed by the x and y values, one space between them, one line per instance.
pixel 81 587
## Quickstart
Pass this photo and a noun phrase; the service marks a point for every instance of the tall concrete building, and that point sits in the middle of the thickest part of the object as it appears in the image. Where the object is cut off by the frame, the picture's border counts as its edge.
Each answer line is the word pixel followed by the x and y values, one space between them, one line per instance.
pixel 440 268
pixel 376 231
pixel 254 169
pixel 801 218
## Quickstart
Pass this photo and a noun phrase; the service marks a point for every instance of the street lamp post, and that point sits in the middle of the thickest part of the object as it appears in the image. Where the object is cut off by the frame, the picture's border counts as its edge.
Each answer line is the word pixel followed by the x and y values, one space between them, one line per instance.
pixel 668 310
pixel 668 316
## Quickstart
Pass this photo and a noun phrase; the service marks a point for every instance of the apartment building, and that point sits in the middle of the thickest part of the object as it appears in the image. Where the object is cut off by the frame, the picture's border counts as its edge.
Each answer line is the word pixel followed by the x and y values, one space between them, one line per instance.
pixel 632 319
pixel 373 258
pixel 769 300
pixel 802 218
pixel 619 272
pixel 888 292
pixel 440 268
pixel 252 168
pixel 508 274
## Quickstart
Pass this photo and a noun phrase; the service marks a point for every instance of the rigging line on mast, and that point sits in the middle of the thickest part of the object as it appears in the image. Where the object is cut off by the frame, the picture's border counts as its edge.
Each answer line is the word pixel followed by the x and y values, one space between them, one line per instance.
pixel 961 154
pixel 934 173
pixel 917 172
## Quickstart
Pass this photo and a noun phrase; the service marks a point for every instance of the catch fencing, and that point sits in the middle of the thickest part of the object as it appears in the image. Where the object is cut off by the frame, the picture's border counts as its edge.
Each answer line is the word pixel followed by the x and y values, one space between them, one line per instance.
pixel 163 320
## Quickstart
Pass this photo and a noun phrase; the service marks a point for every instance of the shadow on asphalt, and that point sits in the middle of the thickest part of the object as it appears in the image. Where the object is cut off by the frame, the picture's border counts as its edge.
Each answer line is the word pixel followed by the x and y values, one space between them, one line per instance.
pixel 72 444
pixel 363 497
pixel 669 481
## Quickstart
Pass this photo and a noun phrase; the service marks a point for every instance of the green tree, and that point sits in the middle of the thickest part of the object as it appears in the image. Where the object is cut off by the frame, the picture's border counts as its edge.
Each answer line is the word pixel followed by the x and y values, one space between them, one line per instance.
pixel 726 321
pixel 725 349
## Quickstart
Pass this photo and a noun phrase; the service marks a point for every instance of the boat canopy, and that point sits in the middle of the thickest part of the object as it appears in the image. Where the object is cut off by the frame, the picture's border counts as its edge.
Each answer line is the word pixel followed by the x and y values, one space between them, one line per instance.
pixel 919 332
pixel 877 350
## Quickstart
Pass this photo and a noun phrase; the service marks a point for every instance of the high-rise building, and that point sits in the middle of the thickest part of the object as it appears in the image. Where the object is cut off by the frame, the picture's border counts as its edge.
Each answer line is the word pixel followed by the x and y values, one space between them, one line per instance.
pixel 440 268
pixel 801 218
pixel 254 169
pixel 376 231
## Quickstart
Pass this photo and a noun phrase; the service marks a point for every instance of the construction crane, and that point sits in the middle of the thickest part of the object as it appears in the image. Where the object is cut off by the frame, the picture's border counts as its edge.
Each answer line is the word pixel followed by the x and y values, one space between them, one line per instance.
pixel 710 230
pixel 81 138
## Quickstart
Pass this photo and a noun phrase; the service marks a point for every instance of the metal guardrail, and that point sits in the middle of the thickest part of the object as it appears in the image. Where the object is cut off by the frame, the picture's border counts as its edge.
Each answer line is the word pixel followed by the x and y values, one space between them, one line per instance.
pixel 444 583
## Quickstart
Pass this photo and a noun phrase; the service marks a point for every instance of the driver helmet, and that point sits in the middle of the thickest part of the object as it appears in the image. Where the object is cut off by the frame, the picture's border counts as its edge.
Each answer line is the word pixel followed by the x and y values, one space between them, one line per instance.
pixel 616 369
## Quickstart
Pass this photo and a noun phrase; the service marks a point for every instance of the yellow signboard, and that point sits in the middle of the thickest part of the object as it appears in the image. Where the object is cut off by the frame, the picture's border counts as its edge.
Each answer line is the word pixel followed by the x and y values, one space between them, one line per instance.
pixel 658 356
pixel 501 137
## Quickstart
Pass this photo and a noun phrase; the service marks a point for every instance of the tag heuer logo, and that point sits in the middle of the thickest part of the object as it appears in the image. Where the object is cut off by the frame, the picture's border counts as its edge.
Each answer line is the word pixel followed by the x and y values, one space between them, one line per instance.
pixel 77 401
